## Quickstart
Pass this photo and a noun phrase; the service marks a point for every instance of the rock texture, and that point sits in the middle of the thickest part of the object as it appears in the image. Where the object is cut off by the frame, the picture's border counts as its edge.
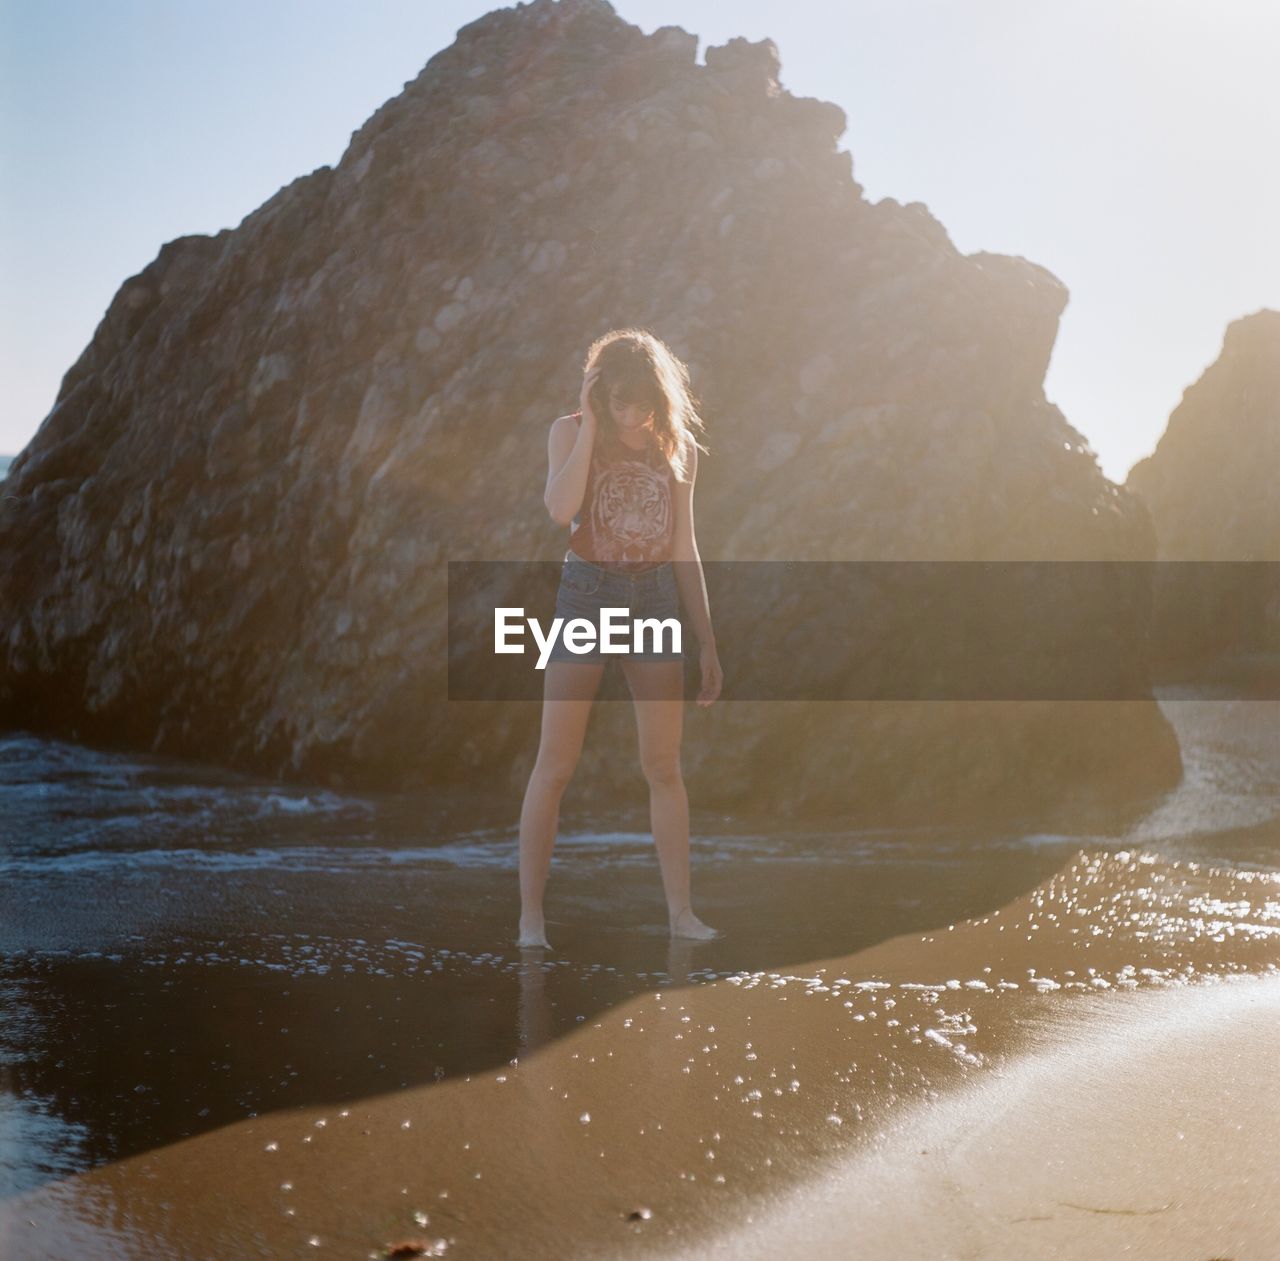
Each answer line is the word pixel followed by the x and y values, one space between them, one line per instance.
pixel 1213 488
pixel 228 538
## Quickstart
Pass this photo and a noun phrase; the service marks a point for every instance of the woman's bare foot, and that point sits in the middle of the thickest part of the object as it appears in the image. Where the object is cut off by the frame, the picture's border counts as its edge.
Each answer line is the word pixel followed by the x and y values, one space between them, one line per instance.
pixel 533 932
pixel 686 924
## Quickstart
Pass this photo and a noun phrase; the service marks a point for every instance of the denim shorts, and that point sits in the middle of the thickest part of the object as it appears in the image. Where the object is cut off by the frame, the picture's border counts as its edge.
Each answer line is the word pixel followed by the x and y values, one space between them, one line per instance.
pixel 586 588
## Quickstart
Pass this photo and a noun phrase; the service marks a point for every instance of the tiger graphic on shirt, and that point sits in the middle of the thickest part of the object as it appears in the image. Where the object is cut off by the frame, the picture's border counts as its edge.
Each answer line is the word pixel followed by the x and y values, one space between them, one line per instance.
pixel 631 512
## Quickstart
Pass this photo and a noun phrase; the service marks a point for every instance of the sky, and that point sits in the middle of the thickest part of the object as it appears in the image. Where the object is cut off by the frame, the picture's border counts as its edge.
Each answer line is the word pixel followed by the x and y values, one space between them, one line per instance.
pixel 1126 145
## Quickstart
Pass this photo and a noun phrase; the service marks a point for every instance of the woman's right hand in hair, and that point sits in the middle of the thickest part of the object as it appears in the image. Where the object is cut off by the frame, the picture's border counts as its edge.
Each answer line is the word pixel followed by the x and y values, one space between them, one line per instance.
pixel 589 417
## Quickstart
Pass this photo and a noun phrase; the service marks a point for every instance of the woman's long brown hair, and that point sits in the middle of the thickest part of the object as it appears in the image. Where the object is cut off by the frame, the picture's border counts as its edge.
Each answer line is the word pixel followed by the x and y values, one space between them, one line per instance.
pixel 640 368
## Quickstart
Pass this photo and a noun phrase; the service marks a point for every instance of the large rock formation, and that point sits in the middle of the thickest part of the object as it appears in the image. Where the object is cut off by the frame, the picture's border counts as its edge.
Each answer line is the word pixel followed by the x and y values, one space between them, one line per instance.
pixel 1213 487
pixel 228 538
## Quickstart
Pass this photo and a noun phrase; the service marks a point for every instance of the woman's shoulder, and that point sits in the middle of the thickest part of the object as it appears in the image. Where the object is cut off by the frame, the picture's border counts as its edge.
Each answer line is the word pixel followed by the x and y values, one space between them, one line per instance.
pixel 570 421
pixel 561 436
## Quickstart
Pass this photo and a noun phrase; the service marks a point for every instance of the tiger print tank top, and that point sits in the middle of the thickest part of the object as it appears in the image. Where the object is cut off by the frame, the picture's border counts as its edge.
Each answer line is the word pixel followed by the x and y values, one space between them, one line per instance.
pixel 627 519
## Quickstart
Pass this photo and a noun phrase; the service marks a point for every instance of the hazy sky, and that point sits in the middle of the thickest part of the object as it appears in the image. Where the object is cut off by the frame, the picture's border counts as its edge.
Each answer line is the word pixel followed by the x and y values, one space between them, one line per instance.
pixel 1127 145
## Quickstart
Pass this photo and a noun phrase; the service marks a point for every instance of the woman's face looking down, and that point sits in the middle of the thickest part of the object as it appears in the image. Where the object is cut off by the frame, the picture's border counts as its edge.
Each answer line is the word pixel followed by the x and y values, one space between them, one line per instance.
pixel 630 417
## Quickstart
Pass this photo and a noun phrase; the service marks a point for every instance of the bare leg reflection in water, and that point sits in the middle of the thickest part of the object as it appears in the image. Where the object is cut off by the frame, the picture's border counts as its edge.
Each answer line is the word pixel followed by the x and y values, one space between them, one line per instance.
pixel 679 960
pixel 534 1026
pixel 534 1019
pixel 569 689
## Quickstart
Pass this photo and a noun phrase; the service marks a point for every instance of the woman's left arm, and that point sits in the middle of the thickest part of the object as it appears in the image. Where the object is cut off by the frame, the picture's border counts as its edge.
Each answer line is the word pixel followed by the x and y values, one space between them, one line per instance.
pixel 693 586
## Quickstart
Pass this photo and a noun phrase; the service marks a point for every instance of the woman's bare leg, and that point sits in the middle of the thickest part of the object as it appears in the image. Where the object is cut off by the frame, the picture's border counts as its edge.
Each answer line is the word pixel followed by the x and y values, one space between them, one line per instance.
pixel 568 690
pixel 656 688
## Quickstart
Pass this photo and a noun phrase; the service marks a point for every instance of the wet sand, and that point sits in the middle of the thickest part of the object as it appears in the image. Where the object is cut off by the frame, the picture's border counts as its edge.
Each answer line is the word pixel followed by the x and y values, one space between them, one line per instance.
pixel 955 1093
pixel 1145 1133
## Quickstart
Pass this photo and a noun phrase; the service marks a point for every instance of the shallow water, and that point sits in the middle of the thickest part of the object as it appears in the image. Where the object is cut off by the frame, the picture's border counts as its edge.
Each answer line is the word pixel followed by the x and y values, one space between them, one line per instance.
pixel 182 948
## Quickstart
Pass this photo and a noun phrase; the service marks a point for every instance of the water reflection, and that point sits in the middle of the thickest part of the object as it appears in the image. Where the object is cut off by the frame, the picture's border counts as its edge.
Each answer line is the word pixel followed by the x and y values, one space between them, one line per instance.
pixel 181 950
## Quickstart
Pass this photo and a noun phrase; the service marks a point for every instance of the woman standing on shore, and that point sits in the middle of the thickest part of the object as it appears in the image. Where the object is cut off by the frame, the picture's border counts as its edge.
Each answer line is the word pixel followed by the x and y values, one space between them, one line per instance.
pixel 620 474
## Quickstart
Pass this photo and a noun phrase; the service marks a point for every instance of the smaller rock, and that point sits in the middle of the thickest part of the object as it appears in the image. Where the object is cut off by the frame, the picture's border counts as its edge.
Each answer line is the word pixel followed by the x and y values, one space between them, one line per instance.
pixel 409 1248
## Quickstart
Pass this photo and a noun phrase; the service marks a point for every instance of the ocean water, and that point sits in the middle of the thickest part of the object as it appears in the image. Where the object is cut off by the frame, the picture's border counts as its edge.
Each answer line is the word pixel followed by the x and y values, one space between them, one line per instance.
pixel 182 947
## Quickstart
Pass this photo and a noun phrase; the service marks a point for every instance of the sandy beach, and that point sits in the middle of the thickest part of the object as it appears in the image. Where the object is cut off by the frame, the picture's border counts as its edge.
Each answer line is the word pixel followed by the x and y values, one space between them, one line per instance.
pixel 1016 1084
pixel 246 1021
pixel 1143 1133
